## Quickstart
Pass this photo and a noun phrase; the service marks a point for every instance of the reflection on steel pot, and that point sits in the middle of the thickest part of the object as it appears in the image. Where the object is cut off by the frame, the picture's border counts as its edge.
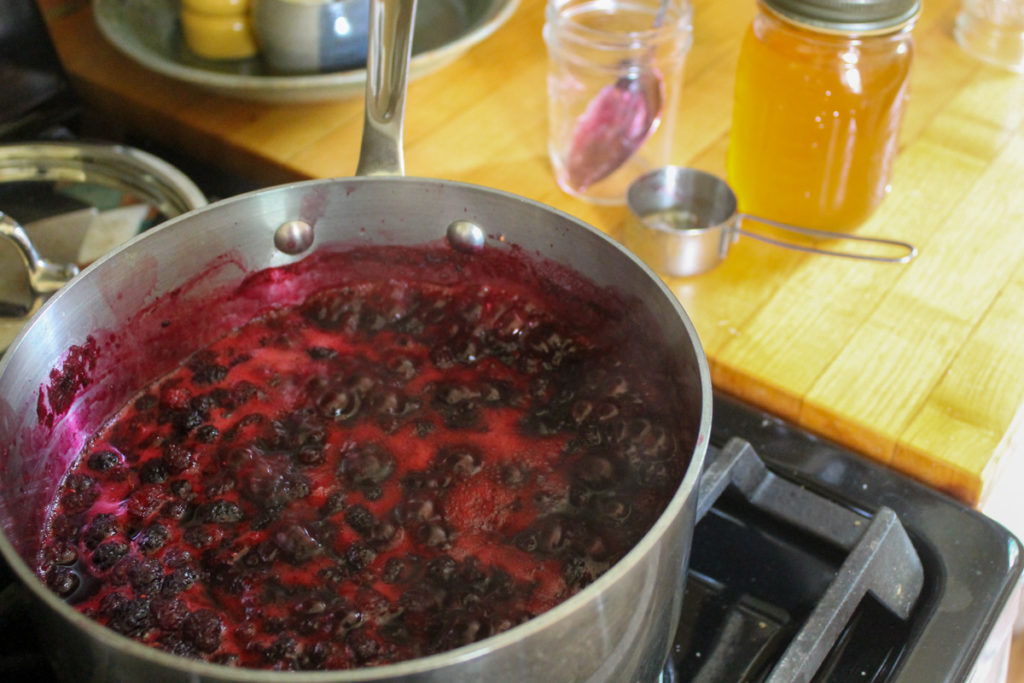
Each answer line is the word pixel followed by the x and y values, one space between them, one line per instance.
pixel 69 369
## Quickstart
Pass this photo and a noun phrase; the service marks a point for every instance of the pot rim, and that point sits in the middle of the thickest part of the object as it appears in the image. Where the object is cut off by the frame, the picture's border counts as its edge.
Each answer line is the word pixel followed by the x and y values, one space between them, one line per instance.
pixel 676 505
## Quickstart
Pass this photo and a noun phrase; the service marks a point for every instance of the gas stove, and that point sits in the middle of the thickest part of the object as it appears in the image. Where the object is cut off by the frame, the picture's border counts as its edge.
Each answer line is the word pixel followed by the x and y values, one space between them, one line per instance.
pixel 809 564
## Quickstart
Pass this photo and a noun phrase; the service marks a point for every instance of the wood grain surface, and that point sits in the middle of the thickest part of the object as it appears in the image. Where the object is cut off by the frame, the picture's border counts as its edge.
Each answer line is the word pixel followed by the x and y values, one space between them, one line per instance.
pixel 918 366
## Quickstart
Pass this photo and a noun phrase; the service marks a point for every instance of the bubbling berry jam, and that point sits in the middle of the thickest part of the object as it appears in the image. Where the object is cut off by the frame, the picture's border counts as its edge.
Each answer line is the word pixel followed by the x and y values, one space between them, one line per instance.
pixel 390 469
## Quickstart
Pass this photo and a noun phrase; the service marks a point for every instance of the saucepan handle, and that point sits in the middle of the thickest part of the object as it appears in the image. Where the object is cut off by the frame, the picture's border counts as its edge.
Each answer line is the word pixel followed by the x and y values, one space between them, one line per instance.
pixel 907 251
pixel 387 66
pixel 44 277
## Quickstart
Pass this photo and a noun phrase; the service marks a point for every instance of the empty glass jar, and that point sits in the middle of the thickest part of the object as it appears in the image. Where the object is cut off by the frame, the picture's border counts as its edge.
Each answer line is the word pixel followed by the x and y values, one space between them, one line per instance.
pixel 614 81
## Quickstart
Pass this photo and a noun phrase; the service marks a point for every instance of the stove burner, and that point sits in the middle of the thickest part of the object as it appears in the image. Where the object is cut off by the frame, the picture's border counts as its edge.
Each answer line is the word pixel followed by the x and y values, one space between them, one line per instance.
pixel 755 579
pixel 880 560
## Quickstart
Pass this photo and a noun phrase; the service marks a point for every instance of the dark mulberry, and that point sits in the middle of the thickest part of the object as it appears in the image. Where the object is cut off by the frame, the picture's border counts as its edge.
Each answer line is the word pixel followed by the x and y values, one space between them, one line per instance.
pixel 101 461
pixel 107 554
pixel 102 527
pixel 209 374
pixel 203 628
pixel 62 580
pixel 221 512
pixel 207 434
pixel 153 471
pixel 80 491
pixel 177 458
pixel 132 617
pixel 360 519
pixel 151 538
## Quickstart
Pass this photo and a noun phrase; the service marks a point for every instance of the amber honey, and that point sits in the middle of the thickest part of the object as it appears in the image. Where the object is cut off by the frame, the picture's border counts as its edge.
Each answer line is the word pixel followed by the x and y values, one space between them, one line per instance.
pixel 816 121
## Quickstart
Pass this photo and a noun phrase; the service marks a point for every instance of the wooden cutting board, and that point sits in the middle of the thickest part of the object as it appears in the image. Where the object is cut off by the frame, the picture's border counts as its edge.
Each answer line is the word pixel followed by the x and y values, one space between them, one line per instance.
pixel 918 366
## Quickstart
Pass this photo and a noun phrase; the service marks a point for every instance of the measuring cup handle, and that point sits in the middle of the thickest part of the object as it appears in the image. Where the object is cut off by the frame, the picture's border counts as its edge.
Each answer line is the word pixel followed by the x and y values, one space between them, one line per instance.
pixel 910 249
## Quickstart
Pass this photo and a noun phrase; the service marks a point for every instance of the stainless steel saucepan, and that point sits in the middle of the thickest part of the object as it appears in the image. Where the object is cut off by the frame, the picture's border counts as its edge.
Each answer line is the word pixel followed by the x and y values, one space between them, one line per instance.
pixel 79 359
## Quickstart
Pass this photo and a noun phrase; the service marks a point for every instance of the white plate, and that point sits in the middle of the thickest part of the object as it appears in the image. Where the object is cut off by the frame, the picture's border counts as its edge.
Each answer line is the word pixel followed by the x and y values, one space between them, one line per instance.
pixel 149 32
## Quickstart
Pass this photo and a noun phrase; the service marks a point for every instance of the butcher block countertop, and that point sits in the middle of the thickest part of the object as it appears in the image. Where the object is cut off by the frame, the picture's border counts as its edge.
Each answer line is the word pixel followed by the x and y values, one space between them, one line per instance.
pixel 920 366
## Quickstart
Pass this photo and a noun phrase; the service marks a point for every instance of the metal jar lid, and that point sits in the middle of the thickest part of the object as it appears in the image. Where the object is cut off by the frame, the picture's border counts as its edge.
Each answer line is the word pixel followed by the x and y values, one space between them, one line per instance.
pixel 847 16
pixel 103 171
pixel 118 166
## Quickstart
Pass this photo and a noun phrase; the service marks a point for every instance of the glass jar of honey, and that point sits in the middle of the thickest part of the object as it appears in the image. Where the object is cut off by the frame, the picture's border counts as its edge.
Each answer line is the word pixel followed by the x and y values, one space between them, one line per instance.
pixel 821 86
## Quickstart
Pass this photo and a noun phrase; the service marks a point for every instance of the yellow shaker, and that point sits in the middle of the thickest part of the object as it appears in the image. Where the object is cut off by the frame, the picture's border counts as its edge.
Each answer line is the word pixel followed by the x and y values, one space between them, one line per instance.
pixel 218 29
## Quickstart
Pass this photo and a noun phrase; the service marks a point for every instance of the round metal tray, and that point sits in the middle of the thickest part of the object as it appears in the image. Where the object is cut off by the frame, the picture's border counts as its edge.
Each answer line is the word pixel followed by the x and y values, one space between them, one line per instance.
pixel 149 32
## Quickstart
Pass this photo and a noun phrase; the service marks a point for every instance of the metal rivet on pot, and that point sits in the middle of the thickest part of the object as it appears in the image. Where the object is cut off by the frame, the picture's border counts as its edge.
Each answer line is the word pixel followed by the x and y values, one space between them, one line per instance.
pixel 293 237
pixel 466 236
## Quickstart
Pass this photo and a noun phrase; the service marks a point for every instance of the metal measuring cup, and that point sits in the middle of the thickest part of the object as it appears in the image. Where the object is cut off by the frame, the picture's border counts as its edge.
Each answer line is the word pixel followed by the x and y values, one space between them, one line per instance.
pixel 682 222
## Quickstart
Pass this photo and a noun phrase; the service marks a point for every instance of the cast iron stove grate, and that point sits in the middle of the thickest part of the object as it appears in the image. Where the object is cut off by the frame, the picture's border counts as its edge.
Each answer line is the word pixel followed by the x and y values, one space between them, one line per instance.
pixel 779 574
pixel 755 579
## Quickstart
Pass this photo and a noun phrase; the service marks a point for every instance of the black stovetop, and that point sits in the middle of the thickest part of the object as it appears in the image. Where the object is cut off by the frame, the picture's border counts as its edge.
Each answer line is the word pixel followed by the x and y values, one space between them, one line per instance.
pixel 754 581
